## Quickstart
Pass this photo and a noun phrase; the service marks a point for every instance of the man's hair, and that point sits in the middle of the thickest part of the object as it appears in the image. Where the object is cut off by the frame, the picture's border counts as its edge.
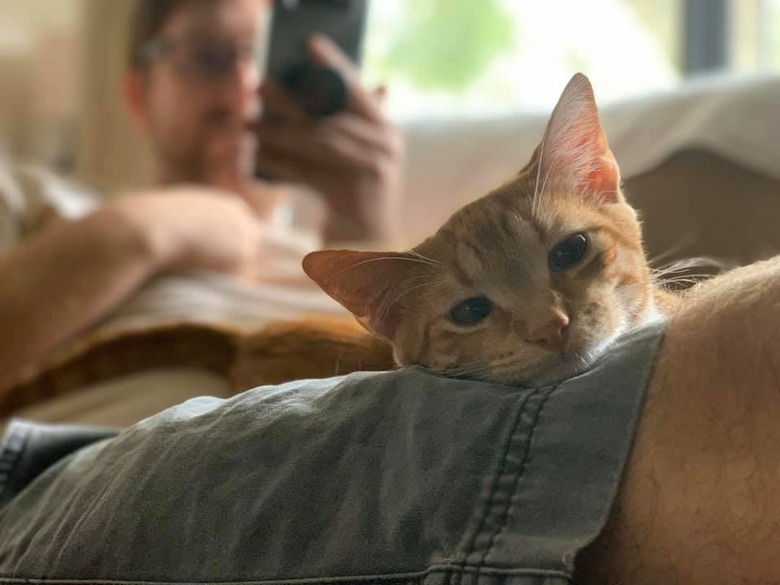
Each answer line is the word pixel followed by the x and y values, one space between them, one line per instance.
pixel 148 20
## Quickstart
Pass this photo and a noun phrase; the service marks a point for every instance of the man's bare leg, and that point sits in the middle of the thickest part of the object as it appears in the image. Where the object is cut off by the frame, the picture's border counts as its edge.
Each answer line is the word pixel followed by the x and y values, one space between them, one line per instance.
pixel 700 501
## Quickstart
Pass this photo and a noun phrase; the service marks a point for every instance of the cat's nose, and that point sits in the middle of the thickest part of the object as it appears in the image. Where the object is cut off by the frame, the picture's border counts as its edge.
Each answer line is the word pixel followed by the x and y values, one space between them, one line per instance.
pixel 551 333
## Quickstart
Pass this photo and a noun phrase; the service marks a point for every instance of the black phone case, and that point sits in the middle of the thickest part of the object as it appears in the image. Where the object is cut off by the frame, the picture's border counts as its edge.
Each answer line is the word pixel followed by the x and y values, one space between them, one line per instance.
pixel 294 21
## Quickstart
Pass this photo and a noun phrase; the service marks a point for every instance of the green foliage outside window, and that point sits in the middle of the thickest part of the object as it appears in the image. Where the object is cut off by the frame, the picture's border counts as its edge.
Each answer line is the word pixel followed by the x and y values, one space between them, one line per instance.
pixel 447 44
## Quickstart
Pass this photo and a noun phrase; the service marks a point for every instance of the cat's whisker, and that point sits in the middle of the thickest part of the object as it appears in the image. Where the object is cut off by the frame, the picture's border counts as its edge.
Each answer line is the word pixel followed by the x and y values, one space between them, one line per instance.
pixel 677 269
pixel 467 369
pixel 389 301
pixel 665 280
pixel 408 290
pixel 565 298
pixel 429 261
pixel 383 258
pixel 503 362
pixel 684 242
pixel 476 372
pixel 672 278
pixel 583 360
pixel 682 283
pixel 678 273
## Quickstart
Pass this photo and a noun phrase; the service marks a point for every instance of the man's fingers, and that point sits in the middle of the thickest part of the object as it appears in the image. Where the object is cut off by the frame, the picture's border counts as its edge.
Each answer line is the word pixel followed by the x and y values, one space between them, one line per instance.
pixel 323 150
pixel 291 141
pixel 280 166
pixel 280 106
pixel 378 138
pixel 325 52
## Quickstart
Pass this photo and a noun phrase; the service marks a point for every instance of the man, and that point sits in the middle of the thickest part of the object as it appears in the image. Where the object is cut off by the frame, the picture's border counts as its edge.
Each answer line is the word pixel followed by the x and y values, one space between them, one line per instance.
pixel 193 87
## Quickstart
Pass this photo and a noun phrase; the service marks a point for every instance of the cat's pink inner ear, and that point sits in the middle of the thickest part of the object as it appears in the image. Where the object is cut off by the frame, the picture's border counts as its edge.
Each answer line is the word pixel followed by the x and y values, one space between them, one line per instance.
pixel 365 283
pixel 575 143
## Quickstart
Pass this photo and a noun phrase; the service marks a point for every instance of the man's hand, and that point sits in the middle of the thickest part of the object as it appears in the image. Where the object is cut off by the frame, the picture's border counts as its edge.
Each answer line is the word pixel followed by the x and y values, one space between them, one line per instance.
pixel 353 158
pixel 196 228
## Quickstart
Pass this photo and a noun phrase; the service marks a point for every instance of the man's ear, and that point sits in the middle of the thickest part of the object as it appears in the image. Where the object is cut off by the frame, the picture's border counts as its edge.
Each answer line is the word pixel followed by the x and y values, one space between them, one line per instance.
pixel 133 86
pixel 365 283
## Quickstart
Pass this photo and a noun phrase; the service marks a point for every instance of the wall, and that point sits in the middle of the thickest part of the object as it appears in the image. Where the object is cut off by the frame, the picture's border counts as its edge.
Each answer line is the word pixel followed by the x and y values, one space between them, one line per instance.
pixel 40 76
pixel 112 155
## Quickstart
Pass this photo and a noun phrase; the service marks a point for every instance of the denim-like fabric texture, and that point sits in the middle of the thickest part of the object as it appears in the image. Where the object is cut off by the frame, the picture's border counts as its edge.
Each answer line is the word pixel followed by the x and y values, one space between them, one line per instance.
pixel 400 477
pixel 27 449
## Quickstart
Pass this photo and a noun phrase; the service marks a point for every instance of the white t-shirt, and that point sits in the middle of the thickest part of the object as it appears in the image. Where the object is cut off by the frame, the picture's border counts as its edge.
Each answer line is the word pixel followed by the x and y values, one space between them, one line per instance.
pixel 30 196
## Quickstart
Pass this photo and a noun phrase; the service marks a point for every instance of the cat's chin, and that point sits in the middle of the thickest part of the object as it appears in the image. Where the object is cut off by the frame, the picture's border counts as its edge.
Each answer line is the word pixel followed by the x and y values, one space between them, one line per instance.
pixel 565 365
pixel 565 368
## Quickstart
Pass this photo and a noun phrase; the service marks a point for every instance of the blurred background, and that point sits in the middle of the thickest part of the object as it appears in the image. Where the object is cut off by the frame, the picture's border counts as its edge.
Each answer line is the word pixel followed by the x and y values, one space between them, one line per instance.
pixel 60 61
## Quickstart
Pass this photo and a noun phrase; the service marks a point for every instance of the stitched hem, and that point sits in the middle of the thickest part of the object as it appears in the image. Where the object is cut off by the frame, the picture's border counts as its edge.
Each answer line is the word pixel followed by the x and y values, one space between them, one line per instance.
pixel 388 578
pixel 506 469
pixel 505 515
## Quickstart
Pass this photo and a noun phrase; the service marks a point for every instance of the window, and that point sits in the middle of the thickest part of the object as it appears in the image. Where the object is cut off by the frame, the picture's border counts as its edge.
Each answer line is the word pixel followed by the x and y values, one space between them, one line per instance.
pixel 445 58
pixel 461 57
pixel 756 35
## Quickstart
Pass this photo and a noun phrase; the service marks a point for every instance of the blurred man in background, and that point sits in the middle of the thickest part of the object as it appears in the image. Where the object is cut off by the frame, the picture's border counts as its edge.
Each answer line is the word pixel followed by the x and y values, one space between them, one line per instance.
pixel 193 86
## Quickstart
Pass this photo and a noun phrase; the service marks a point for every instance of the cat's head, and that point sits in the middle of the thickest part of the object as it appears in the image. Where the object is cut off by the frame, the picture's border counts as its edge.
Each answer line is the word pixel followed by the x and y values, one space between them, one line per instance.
pixel 528 284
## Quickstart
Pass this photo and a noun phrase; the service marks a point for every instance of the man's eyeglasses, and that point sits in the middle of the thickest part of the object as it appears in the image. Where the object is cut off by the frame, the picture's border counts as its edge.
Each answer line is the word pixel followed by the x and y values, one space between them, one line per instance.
pixel 199 60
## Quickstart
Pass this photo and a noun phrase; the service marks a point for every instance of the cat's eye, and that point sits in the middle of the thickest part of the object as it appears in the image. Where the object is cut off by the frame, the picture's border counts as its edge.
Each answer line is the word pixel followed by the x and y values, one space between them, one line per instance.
pixel 471 311
pixel 568 253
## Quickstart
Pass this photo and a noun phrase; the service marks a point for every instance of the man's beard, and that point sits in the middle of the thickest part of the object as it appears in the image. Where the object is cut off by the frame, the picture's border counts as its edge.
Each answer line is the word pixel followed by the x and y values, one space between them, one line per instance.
pixel 220 148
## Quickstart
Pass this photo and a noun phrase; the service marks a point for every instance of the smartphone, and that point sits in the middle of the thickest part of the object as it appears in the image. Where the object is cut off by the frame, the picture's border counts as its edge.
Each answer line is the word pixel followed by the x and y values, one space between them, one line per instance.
pixel 284 56
pixel 292 23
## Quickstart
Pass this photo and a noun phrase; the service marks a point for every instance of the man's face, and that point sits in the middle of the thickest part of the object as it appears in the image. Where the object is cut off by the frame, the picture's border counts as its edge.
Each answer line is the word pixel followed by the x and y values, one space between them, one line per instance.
pixel 199 91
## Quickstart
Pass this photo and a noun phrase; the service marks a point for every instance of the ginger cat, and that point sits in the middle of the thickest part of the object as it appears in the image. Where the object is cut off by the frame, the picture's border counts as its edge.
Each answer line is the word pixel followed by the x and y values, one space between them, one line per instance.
pixel 530 283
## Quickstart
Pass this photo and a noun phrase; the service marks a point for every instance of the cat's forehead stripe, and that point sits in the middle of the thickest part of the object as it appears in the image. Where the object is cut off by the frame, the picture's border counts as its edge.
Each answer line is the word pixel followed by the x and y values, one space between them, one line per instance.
pixel 465 252
pixel 467 261
pixel 526 203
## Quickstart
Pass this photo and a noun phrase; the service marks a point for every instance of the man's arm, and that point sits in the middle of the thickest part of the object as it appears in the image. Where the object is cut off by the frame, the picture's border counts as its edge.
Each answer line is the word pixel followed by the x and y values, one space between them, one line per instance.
pixel 64 279
pixel 67 277
pixel 699 502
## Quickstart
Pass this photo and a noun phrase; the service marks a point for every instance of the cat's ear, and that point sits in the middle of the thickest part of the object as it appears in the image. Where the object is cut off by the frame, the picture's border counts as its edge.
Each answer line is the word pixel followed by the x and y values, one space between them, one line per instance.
pixel 366 283
pixel 575 144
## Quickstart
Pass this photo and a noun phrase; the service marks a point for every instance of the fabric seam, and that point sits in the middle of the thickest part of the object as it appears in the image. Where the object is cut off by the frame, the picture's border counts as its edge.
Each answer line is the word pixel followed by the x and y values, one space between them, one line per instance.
pixel 470 548
pixel 513 492
pixel 440 569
